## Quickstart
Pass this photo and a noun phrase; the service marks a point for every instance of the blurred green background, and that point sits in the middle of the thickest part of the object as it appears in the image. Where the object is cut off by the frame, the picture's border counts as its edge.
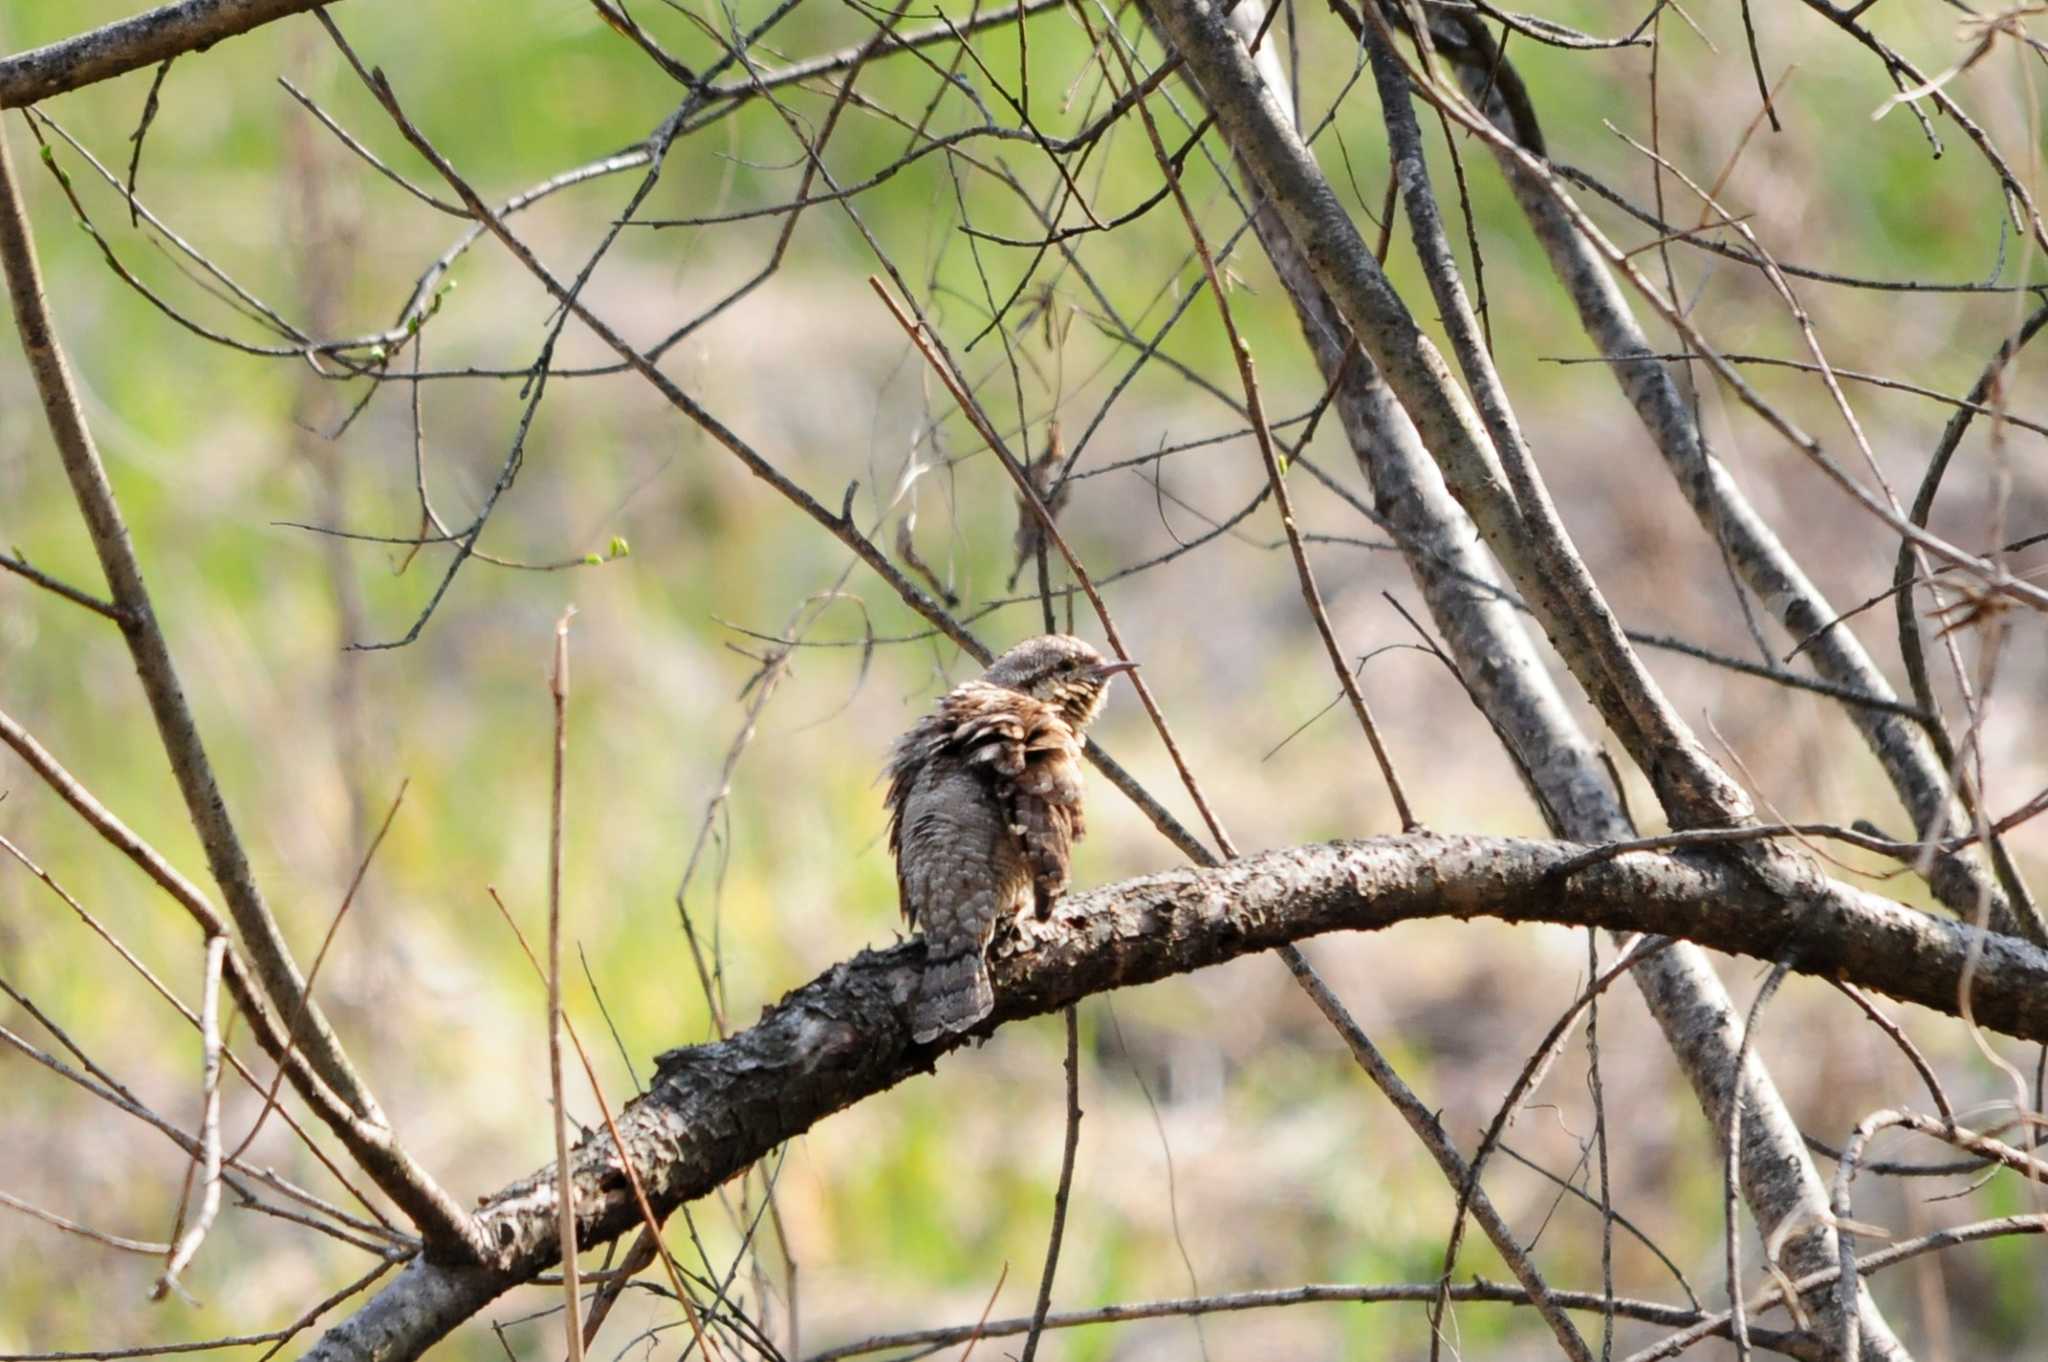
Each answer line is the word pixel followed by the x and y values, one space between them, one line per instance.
pixel 1227 1144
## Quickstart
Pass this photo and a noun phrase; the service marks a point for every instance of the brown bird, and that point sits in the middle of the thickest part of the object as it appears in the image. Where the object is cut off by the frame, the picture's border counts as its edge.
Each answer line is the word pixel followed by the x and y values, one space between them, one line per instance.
pixel 984 809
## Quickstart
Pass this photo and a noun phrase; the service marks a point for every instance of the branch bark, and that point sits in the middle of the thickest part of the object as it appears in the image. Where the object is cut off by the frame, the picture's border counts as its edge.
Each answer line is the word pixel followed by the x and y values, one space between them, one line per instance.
pixel 845 1036
pixel 1776 578
pixel 1509 683
pixel 130 44
pixel 327 1079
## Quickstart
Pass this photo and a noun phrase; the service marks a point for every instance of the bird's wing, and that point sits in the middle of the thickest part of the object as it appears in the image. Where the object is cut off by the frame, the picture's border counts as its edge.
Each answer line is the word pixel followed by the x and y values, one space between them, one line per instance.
pixel 1035 762
pixel 1045 831
pixel 1018 750
pixel 911 757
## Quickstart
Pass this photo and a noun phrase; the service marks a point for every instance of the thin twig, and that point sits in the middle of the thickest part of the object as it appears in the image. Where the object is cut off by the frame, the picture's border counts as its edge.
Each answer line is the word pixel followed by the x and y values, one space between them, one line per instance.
pixel 22 568
pixel 320 956
pixel 1066 1187
pixel 209 1124
pixel 565 1185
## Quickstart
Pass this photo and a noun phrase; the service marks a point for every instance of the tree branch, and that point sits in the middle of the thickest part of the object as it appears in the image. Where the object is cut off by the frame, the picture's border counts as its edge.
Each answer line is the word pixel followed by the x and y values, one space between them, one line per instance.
pixel 340 1095
pixel 129 44
pixel 714 1109
pixel 1509 682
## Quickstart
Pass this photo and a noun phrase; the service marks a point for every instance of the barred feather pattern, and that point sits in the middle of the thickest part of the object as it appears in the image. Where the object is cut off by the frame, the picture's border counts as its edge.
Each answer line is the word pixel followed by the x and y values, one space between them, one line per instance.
pixel 984 808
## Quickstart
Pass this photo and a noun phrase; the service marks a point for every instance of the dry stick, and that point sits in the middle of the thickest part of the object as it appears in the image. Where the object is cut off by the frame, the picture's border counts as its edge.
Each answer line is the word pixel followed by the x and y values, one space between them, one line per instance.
pixel 1934 1242
pixel 1275 475
pixel 1479 1290
pixel 565 1186
pixel 1756 832
pixel 1633 952
pixel 279 979
pixel 126 1245
pixel 1911 648
pixel 1806 366
pixel 1426 1127
pixel 1898 1035
pixel 840 526
pixel 313 1312
pixel 1680 987
pixel 975 1337
pixel 1731 1177
pixel 383 1159
pixel 150 107
pixel 209 1123
pixel 21 568
pixel 710 973
pixel 1354 1035
pixel 1773 575
pixel 1066 1187
pixel 650 1224
pixel 320 956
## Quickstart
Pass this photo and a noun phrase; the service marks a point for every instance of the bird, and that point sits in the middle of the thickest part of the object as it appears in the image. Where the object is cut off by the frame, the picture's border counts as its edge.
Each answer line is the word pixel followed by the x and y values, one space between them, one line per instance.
pixel 984 807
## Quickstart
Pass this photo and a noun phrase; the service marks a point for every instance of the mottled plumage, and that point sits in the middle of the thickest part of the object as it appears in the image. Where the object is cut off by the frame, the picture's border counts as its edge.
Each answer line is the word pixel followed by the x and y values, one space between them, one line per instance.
pixel 984 810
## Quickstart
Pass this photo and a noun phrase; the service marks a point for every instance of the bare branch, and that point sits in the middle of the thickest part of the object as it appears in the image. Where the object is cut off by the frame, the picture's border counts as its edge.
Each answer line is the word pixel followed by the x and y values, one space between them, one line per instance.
pixel 182 745
pixel 209 1125
pixel 145 39
pixel 714 1109
pixel 558 690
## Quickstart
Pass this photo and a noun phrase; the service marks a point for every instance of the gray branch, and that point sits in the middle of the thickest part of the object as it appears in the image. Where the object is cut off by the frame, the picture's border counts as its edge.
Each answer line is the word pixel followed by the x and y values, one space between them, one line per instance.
pixel 1506 677
pixel 130 44
pixel 1770 571
pixel 329 1082
pixel 715 1109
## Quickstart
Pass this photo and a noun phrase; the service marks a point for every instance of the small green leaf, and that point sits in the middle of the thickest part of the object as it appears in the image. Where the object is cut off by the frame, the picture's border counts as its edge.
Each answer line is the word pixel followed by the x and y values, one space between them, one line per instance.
pixel 619 548
pixel 592 560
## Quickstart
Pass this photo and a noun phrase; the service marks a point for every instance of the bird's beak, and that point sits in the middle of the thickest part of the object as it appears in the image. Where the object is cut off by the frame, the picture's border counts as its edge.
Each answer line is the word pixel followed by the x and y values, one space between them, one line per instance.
pixel 1105 670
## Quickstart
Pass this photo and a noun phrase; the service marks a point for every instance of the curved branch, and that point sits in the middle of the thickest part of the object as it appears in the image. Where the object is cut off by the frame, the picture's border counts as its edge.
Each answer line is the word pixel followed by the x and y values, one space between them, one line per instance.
pixel 845 1036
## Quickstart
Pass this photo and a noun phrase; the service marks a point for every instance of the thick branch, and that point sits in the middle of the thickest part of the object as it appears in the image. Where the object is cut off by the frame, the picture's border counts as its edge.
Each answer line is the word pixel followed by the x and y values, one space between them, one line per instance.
pixel 1773 574
pixel 130 44
pixel 1508 681
pixel 845 1036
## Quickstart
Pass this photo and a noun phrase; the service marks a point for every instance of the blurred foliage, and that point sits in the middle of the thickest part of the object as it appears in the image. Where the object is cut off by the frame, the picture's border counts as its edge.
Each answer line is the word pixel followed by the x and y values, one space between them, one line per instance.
pixel 1227 1143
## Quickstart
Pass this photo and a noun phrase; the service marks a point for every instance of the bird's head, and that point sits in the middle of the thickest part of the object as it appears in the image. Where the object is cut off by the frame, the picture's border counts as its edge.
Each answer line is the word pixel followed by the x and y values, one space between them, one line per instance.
pixel 1061 670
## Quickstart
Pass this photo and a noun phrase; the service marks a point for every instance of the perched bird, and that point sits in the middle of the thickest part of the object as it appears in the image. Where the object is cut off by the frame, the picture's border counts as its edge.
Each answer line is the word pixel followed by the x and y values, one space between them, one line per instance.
pixel 984 809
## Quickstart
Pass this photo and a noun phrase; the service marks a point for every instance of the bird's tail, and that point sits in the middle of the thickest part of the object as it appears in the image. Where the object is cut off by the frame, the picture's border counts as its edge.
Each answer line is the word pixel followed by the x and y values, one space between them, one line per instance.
pixel 955 995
